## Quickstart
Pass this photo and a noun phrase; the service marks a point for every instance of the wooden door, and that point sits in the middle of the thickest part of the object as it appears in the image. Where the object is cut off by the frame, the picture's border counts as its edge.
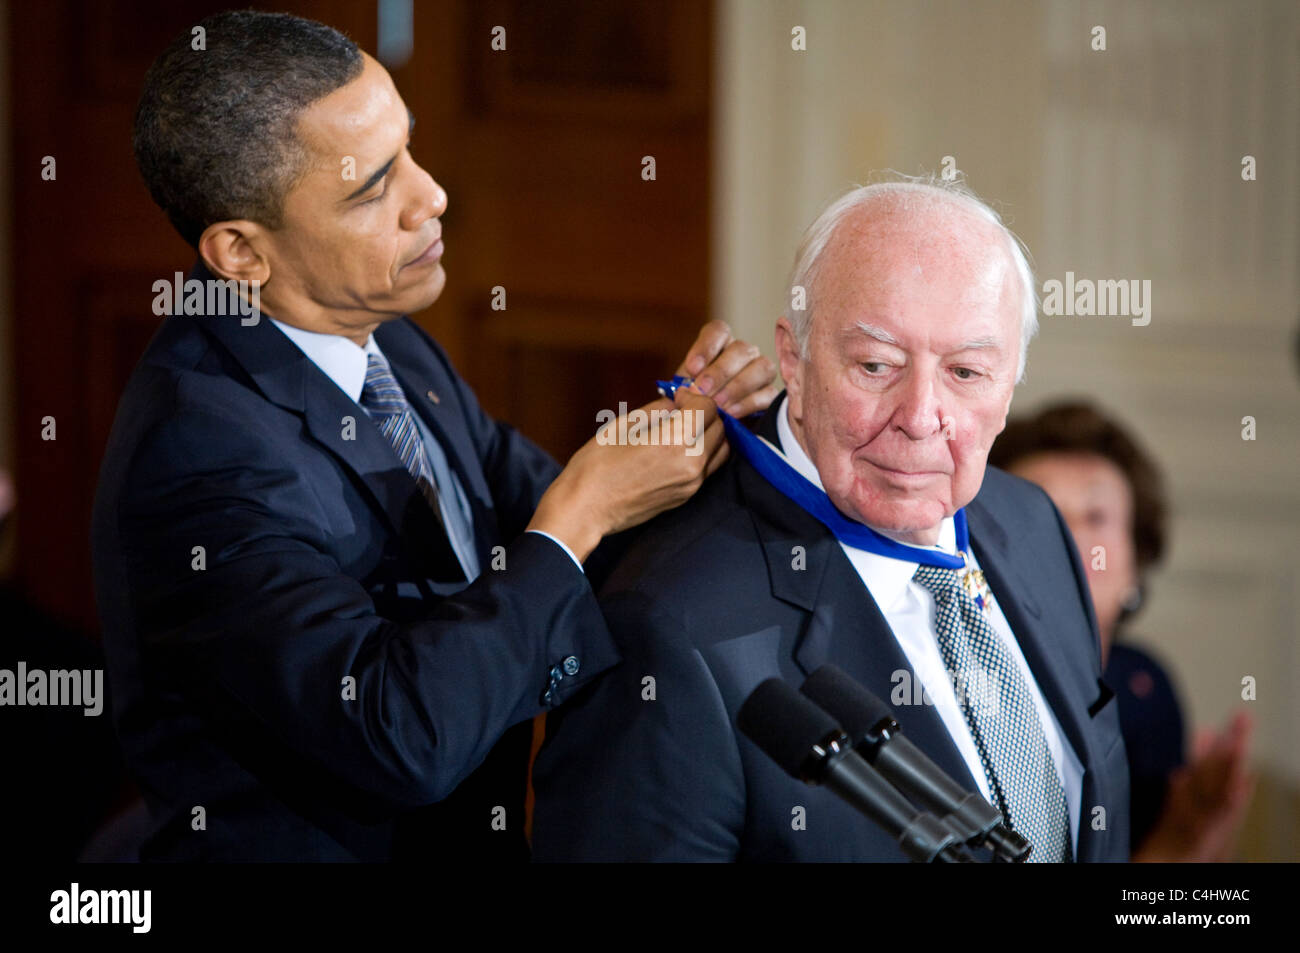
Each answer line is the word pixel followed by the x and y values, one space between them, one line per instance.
pixel 542 147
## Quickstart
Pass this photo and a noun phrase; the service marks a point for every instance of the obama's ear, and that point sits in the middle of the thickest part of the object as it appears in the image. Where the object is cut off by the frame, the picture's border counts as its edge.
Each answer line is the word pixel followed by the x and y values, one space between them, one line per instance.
pixel 234 250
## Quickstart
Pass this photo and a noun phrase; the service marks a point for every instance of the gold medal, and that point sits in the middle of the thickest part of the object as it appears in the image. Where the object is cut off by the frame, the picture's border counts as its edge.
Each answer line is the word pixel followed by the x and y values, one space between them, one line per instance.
pixel 977 587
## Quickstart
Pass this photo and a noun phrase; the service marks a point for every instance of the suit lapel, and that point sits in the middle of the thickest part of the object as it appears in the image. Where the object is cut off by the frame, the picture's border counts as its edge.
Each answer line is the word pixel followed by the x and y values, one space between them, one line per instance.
pixel 1051 668
pixel 1057 674
pixel 845 627
pixel 289 379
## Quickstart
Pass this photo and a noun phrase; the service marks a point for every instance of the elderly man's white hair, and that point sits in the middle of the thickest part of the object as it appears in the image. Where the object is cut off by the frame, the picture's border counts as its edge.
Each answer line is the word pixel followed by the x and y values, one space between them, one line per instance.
pixel 904 190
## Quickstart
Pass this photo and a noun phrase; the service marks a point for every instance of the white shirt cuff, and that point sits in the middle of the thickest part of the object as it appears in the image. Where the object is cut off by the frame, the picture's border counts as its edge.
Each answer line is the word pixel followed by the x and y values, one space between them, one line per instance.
pixel 561 545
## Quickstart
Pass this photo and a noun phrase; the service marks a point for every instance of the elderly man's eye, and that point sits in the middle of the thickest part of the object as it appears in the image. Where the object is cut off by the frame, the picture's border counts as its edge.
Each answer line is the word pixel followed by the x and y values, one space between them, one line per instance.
pixel 873 367
pixel 965 373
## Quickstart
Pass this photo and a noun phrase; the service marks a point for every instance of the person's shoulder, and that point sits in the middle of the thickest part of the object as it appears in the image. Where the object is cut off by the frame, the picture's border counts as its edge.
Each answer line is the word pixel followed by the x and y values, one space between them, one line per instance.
pixel 1021 507
pixel 694 553
pixel 188 403
pixel 184 364
pixel 1028 522
pixel 1003 492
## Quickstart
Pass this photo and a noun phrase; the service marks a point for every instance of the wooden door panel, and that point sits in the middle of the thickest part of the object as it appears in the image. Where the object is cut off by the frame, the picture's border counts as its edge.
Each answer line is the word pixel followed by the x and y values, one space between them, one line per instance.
pixel 605 273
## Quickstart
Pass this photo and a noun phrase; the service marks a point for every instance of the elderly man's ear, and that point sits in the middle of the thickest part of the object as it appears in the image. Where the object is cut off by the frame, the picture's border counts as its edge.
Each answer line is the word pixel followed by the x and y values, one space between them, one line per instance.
pixel 787 354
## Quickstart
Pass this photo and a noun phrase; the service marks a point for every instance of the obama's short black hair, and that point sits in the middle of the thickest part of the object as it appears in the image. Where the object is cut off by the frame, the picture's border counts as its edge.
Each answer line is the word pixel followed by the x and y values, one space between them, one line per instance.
pixel 215 133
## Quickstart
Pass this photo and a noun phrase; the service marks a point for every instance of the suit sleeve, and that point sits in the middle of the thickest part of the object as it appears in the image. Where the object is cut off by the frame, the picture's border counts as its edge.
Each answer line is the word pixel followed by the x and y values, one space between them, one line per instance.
pixel 265 628
pixel 629 776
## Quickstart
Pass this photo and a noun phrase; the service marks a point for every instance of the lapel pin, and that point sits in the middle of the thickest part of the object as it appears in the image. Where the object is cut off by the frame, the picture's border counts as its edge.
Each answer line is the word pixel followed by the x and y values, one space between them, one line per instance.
pixel 433 397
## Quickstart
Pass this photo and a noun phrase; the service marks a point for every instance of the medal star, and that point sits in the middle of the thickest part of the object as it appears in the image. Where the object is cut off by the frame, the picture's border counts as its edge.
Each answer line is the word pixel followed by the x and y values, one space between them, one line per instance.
pixel 978 589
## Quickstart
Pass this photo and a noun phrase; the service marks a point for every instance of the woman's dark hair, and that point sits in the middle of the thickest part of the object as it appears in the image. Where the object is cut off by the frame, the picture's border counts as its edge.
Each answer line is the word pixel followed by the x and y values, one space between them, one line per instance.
pixel 215 129
pixel 1077 427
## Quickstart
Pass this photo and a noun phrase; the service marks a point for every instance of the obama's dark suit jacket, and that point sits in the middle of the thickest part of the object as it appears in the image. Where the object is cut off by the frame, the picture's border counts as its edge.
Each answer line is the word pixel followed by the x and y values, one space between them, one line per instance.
pixel 297 667
pixel 712 599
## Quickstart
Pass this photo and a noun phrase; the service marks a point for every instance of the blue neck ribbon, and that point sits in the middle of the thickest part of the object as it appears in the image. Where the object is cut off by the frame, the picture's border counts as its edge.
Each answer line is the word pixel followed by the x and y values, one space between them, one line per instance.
pixel 807 496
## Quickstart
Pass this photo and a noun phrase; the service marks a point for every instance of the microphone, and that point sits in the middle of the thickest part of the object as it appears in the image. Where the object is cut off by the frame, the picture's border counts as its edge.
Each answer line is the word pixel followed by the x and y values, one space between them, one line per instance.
pixel 870 723
pixel 808 744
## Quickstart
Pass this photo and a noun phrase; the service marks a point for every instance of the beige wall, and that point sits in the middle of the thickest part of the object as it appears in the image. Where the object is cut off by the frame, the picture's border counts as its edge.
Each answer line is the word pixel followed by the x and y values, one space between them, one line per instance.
pixel 1115 164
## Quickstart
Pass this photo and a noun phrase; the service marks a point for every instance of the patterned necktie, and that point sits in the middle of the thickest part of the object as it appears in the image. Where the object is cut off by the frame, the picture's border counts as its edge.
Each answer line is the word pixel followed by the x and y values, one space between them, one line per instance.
pixel 382 396
pixel 1002 718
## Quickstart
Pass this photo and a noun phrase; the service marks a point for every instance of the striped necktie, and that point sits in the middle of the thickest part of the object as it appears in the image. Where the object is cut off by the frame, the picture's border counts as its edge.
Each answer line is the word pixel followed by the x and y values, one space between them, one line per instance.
pixel 382 396
pixel 1002 718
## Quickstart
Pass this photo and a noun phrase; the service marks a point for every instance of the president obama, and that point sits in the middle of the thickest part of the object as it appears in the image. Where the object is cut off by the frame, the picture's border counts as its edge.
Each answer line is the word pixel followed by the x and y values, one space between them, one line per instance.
pixel 330 583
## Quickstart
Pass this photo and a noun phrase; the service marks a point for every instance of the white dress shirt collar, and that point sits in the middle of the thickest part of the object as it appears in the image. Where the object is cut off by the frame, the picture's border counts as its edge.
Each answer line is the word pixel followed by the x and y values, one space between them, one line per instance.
pixel 338 357
pixel 888 578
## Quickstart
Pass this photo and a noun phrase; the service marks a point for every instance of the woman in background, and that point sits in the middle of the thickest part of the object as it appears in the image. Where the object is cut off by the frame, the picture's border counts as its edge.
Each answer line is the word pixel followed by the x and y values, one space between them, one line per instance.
pixel 1112 496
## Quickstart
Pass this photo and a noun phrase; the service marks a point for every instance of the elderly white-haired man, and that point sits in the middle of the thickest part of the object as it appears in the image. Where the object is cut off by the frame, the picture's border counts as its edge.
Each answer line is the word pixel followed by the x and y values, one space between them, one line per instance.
pixel 860 526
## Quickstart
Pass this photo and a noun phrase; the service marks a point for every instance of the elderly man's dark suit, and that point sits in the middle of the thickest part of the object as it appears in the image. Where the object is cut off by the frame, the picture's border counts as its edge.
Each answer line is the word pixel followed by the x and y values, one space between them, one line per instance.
pixel 740 585
pixel 314 677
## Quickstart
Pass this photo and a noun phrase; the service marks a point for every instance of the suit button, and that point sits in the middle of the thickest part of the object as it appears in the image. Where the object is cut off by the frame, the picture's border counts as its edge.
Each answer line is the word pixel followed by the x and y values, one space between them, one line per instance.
pixel 571 665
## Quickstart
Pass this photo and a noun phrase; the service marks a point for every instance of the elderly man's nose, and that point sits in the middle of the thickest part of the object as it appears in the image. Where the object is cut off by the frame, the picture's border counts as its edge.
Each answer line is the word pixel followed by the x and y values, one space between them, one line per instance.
pixel 918 414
